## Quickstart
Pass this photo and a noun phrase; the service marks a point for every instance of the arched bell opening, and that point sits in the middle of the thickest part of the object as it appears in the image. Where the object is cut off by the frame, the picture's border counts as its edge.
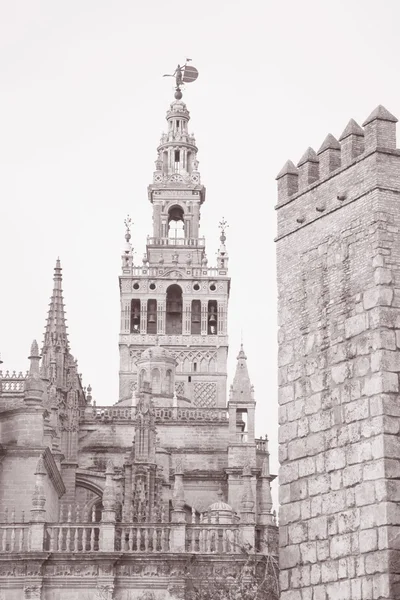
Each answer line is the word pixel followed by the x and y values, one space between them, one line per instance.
pixel 135 316
pixel 212 317
pixel 196 317
pixel 151 316
pixel 173 324
pixel 176 224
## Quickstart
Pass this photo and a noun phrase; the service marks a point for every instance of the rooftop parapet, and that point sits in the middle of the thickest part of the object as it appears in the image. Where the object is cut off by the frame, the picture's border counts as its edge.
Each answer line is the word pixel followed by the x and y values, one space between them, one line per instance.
pixel 378 132
pixel 308 167
pixel 352 142
pixel 380 129
pixel 329 156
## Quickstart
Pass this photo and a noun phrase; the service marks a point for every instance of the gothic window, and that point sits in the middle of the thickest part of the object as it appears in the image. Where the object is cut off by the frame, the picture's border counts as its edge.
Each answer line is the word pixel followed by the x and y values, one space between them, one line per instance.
pixel 135 316
pixel 195 367
pixel 211 367
pixel 155 381
pixel 196 317
pixel 212 317
pixel 142 378
pixel 173 325
pixel 152 316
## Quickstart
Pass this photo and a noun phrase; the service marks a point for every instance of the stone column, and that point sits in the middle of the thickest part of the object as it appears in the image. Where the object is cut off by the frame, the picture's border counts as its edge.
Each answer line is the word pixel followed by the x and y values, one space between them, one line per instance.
pixel 178 527
pixel 38 511
pixel 107 531
pixel 247 515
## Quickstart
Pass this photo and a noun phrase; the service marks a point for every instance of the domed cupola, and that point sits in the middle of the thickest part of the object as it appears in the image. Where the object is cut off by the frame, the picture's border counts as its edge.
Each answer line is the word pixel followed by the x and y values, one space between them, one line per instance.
pixel 221 512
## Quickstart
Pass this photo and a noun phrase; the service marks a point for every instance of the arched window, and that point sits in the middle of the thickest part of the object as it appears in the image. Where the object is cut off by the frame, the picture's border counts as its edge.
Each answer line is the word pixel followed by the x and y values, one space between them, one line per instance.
pixel 168 382
pixel 142 378
pixel 135 316
pixel 155 381
pixel 173 325
pixel 176 226
pixel 152 316
pixel 196 317
pixel 212 317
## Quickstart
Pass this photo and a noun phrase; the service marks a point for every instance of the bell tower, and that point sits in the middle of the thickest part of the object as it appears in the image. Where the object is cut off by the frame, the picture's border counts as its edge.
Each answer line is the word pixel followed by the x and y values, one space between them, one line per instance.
pixel 174 298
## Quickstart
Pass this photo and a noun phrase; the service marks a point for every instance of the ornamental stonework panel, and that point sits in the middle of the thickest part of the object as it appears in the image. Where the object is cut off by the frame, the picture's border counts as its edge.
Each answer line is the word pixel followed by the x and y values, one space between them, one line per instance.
pixel 205 394
pixel 180 388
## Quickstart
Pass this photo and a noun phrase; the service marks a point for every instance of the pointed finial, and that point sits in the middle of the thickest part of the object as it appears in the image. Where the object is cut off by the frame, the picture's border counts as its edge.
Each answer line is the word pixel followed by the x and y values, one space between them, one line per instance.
pixel 34 350
pixel 128 223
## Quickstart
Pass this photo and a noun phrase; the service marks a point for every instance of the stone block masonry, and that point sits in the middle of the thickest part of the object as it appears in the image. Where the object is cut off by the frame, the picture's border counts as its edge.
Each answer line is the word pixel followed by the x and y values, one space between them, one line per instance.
pixel 338 262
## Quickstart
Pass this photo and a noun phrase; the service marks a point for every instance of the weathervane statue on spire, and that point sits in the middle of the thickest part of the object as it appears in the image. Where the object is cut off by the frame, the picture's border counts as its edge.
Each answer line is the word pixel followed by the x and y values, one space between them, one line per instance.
pixel 185 74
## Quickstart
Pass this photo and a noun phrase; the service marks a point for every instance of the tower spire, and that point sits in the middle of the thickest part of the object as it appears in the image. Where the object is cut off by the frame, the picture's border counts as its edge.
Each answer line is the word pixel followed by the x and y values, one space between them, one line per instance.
pixel 56 329
pixel 241 388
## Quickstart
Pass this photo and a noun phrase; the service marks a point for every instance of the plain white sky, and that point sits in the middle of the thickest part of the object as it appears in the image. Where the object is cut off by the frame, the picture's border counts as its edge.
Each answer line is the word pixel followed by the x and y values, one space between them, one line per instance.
pixel 82 107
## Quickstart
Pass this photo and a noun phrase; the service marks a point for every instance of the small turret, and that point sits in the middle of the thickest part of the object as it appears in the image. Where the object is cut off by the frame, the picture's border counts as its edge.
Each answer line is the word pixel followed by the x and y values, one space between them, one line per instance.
pixel 34 386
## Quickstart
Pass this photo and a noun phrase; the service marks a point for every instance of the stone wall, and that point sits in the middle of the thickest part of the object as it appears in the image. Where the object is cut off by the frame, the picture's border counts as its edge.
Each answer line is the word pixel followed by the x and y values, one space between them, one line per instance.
pixel 338 258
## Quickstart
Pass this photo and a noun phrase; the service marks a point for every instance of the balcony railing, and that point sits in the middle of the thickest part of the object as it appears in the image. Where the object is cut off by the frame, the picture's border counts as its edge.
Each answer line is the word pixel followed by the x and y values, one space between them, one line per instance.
pixel 81 538
pixel 194 242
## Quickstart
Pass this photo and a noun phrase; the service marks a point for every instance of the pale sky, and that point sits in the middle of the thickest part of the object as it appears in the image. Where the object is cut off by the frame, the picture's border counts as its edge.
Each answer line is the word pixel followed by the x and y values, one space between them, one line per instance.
pixel 82 107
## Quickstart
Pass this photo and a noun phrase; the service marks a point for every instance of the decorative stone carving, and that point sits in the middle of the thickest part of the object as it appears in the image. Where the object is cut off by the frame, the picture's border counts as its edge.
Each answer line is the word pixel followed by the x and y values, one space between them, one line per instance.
pixel 205 394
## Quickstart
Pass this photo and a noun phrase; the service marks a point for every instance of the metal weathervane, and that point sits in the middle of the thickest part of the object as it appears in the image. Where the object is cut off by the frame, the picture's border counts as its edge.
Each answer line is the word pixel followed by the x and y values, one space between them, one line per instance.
pixel 185 74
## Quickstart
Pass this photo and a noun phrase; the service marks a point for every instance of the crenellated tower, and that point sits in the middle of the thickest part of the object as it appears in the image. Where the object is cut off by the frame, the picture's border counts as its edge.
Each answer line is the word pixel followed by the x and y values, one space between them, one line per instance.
pixel 175 299
pixel 338 266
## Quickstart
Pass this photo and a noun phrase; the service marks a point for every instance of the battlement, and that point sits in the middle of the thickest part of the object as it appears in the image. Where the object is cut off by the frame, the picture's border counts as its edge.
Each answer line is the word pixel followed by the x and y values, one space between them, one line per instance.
pixel 340 172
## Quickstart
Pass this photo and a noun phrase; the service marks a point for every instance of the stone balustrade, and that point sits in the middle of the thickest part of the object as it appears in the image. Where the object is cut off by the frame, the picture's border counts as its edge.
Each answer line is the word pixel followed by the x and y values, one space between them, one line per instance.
pixel 72 537
pixel 194 242
pixel 213 538
pixel 12 383
pixel 143 538
pixel 167 414
pixel 14 537
pixel 80 538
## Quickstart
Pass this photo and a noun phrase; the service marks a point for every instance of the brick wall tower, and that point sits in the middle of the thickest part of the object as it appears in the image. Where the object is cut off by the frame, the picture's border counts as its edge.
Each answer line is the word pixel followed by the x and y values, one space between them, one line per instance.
pixel 338 257
pixel 174 298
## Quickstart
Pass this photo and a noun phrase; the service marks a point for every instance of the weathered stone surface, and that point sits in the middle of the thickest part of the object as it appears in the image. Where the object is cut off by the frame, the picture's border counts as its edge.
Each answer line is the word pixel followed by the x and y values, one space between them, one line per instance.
pixel 346 262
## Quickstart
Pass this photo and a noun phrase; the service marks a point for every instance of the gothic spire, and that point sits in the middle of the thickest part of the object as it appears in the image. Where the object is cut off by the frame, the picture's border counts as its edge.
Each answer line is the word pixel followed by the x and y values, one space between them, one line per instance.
pixel 241 388
pixel 56 328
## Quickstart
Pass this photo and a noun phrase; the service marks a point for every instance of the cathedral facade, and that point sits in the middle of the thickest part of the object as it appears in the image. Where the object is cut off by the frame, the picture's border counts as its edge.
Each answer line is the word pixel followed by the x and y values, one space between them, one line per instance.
pixel 168 488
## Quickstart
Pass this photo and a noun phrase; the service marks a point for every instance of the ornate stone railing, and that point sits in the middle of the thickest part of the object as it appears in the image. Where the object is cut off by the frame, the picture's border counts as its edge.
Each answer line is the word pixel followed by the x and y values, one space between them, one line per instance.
pixel 191 414
pixel 72 537
pixel 12 383
pixel 196 270
pixel 196 242
pixel 14 537
pixel 173 340
pixel 80 538
pixel 162 415
pixel 142 538
pixel 213 538
pixel 262 445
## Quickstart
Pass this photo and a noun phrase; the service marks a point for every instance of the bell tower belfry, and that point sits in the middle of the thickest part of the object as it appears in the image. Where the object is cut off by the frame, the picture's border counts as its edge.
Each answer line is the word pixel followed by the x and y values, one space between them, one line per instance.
pixel 174 298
